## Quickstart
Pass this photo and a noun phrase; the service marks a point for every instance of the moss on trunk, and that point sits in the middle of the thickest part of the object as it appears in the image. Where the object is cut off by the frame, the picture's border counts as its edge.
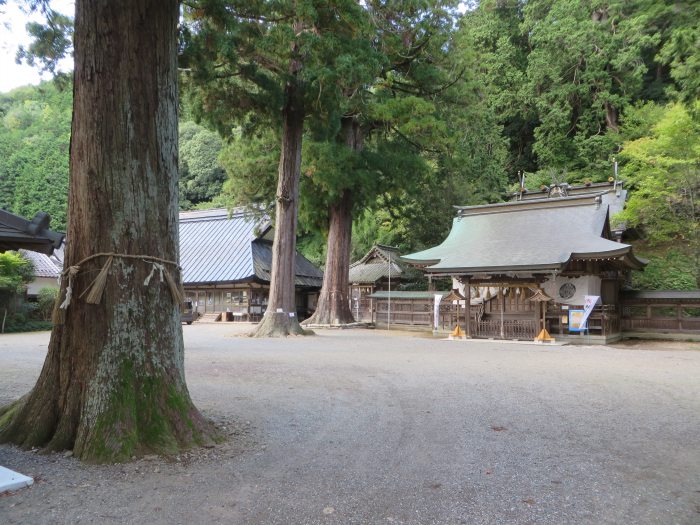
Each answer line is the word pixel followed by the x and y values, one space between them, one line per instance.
pixel 113 383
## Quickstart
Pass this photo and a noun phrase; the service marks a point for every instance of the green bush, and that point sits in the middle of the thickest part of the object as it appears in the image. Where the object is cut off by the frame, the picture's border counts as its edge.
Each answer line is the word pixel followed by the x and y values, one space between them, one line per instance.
pixel 28 326
pixel 672 270
pixel 46 299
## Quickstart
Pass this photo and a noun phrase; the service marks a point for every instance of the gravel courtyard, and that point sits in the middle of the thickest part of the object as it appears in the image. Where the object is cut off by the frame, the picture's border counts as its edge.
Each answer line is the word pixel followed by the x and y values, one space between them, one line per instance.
pixel 367 427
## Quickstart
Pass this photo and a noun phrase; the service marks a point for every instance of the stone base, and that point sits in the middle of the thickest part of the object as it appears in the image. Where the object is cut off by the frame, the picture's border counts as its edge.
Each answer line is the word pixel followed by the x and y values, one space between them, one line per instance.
pixel 11 480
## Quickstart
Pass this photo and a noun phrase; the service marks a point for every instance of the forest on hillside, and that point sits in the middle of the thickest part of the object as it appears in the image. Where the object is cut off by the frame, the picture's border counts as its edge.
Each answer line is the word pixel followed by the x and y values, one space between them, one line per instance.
pixel 447 108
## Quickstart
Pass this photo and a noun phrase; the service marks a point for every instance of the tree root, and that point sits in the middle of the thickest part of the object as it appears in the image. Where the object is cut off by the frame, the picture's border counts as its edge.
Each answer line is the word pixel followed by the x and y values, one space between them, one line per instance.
pixel 279 324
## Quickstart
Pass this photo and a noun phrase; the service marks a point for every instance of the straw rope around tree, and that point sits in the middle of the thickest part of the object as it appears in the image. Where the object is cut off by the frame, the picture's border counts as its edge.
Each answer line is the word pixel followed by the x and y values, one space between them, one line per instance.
pixel 94 290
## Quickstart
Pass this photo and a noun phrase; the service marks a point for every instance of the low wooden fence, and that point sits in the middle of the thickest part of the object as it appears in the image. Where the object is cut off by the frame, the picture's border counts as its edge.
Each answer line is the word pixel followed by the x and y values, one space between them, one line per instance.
pixel 418 312
pixel 661 311
pixel 511 329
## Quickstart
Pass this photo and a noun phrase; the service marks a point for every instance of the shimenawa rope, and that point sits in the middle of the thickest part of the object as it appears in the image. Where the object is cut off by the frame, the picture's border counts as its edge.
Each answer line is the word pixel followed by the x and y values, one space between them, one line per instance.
pixel 96 287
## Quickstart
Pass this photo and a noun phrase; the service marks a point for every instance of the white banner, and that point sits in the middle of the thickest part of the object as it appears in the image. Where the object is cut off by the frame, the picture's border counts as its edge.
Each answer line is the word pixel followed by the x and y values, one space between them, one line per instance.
pixel 589 303
pixel 436 310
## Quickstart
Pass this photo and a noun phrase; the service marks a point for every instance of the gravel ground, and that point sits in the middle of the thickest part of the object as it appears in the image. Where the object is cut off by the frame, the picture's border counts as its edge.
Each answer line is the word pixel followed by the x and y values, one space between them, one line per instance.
pixel 365 427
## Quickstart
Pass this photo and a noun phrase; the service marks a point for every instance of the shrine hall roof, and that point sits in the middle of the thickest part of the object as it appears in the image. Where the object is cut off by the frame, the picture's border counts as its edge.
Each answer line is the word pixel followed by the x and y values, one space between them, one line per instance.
pixel 377 264
pixel 526 236
pixel 218 246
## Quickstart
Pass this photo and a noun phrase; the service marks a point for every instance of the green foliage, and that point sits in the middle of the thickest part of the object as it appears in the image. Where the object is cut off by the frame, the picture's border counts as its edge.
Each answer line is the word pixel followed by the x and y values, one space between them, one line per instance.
pixel 27 326
pixel 201 173
pixel 493 33
pixel 663 171
pixel 51 42
pixel 244 60
pixel 46 299
pixel 378 227
pixel 52 39
pixel 15 271
pixel 251 165
pixel 680 50
pixel 558 74
pixel 579 93
pixel 34 142
pixel 668 269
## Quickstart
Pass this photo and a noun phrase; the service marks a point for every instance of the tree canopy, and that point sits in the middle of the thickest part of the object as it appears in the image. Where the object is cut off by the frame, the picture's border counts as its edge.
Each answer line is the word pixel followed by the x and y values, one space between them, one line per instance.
pixel 450 108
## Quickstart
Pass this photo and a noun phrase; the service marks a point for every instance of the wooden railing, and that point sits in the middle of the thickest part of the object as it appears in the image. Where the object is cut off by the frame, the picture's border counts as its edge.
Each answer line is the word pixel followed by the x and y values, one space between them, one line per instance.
pixel 661 324
pixel 511 328
pixel 661 315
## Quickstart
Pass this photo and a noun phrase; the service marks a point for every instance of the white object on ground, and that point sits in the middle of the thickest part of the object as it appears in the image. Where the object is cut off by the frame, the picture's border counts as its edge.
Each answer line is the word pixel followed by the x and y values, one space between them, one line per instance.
pixel 11 480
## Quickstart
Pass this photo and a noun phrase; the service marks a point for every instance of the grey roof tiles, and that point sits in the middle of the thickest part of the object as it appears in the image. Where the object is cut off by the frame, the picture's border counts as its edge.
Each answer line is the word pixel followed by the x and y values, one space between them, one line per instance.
pixel 43 265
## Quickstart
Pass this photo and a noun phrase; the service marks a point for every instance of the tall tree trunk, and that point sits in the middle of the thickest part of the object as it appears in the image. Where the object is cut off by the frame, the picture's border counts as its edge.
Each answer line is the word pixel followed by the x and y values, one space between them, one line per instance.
pixel 333 306
pixel 611 117
pixel 280 318
pixel 113 383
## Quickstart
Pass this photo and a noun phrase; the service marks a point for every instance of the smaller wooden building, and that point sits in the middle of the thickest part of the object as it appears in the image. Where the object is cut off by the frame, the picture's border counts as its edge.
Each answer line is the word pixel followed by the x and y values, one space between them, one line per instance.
pixel 226 261
pixel 380 269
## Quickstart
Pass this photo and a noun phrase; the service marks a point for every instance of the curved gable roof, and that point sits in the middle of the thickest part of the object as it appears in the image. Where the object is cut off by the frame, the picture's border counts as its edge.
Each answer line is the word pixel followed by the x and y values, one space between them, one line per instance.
pixel 534 235
pixel 374 266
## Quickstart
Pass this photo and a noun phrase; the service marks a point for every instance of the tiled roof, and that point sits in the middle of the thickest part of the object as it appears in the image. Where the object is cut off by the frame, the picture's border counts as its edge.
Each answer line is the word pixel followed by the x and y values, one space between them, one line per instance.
pixel 43 265
pixel 218 247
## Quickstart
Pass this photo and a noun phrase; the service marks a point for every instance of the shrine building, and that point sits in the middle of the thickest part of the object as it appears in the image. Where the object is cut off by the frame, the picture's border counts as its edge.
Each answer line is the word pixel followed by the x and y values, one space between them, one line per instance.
pixel 529 263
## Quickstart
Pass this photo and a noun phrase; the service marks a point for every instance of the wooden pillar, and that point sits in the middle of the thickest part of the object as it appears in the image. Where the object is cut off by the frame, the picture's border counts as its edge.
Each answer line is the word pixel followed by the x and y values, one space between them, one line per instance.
pixel 501 299
pixel 467 307
pixel 538 317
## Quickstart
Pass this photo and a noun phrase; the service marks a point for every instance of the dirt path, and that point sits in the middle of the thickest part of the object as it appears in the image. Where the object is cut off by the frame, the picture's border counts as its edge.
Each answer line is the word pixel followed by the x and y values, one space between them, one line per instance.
pixel 363 427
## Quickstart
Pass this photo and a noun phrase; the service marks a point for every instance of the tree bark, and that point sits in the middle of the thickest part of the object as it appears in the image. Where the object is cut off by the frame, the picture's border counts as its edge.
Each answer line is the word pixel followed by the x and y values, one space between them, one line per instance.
pixel 113 383
pixel 333 305
pixel 280 319
pixel 611 117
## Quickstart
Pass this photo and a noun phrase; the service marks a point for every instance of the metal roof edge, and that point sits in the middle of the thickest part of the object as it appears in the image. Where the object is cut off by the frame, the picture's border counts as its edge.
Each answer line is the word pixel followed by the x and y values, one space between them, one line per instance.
pixel 249 279
pixel 222 214
pixel 526 205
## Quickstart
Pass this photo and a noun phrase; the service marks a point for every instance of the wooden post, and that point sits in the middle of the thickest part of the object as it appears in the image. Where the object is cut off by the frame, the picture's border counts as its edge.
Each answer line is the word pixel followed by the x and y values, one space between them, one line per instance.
pixel 501 299
pixel 468 308
pixel 538 317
